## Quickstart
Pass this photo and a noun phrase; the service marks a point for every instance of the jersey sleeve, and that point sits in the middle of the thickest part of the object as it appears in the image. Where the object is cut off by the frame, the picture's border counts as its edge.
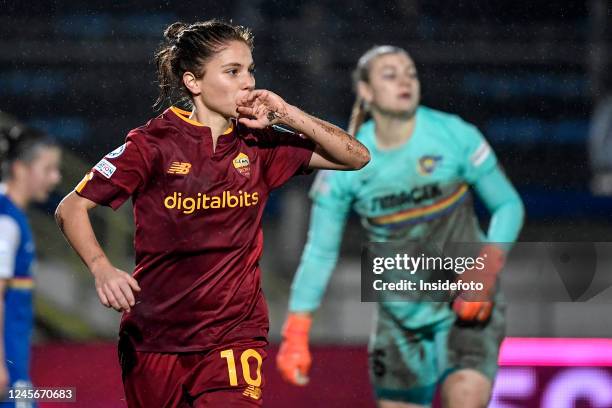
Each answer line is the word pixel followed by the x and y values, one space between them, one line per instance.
pixel 331 205
pixel 9 242
pixel 478 157
pixel 333 189
pixel 118 175
pixel 286 154
pixel 504 204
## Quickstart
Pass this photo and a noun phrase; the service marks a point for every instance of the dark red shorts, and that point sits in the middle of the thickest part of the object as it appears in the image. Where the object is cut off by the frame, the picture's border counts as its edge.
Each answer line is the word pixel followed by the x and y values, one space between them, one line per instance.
pixel 228 376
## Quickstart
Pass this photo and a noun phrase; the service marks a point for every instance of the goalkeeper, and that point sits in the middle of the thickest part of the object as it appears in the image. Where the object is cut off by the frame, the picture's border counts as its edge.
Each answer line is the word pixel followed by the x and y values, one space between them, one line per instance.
pixel 418 188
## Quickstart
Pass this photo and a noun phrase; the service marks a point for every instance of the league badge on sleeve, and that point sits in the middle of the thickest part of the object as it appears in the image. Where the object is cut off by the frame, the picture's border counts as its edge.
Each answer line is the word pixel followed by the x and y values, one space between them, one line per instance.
pixel 105 168
pixel 116 153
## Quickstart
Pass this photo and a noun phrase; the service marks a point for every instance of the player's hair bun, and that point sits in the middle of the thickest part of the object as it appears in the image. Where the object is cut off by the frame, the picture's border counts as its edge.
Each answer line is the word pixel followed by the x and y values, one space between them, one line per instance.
pixel 174 30
pixel 9 137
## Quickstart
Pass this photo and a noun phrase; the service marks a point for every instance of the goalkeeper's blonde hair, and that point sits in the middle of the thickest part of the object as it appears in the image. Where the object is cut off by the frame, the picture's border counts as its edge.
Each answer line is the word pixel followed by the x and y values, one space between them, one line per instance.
pixel 359 113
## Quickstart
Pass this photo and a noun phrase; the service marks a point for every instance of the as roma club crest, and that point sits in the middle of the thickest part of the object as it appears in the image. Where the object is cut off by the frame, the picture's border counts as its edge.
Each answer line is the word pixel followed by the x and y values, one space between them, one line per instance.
pixel 242 164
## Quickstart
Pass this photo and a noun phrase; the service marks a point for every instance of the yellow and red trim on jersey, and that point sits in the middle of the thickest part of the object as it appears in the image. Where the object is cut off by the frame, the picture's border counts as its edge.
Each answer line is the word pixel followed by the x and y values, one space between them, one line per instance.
pixel 83 182
pixel 185 115
pixel 420 214
pixel 21 283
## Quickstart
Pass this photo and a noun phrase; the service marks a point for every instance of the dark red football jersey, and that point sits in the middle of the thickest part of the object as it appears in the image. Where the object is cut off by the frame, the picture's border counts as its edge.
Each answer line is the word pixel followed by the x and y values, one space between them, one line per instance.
pixel 198 235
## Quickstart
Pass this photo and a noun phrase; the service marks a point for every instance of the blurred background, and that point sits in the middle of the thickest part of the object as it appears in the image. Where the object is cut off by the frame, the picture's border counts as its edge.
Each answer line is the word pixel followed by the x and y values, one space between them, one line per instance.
pixel 534 76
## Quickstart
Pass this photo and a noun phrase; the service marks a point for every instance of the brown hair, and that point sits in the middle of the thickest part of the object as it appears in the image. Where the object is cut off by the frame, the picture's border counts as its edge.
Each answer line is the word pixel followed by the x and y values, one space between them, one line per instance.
pixel 361 73
pixel 21 143
pixel 187 47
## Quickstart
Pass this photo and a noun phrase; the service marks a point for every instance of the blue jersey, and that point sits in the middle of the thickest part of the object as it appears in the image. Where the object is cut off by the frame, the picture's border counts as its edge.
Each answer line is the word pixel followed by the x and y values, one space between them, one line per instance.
pixel 16 259
pixel 418 192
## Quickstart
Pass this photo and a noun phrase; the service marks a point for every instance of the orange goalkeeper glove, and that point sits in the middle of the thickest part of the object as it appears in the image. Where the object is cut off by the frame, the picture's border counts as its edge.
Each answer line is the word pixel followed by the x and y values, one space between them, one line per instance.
pixel 293 359
pixel 480 310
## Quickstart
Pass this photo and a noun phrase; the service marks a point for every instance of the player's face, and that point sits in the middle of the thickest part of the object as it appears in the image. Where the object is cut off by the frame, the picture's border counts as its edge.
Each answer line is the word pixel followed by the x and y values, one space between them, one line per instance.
pixel 394 86
pixel 227 77
pixel 43 174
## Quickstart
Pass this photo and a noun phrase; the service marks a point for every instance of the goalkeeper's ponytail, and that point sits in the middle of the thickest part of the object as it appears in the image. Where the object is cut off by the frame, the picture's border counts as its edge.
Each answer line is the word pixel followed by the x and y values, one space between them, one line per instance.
pixel 358 116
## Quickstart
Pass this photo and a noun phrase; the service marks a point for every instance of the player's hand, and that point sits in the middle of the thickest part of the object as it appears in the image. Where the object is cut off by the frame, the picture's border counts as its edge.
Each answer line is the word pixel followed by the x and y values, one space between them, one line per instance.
pixel 293 359
pixel 4 379
pixel 470 311
pixel 115 287
pixel 478 306
pixel 259 109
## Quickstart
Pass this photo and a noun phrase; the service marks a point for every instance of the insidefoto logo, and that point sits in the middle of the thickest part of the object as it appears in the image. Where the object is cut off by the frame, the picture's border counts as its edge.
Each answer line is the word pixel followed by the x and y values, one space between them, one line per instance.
pixel 189 204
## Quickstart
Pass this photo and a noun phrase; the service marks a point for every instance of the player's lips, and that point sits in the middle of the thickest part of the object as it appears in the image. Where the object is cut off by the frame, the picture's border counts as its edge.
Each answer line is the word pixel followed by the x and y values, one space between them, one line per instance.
pixel 405 95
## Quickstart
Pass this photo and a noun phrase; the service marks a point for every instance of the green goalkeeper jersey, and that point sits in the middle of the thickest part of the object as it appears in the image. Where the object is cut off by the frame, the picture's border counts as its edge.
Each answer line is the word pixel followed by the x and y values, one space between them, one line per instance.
pixel 418 192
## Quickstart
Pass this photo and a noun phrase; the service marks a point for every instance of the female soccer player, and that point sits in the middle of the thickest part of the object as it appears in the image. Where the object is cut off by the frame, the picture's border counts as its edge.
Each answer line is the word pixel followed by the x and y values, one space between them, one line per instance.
pixel 414 190
pixel 30 170
pixel 195 321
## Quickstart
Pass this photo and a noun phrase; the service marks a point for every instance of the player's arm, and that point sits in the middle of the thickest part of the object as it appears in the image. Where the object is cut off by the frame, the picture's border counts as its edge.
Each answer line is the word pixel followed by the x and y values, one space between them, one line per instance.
pixel 114 287
pixel 309 284
pixel 335 149
pixel 507 213
pixel 4 377
pixel 328 218
pixel 482 172
pixel 9 242
pixel 504 204
pixel 318 259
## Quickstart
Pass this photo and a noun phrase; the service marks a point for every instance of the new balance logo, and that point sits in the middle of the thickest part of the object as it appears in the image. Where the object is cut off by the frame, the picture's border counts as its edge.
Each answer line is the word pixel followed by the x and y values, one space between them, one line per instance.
pixel 179 168
pixel 253 392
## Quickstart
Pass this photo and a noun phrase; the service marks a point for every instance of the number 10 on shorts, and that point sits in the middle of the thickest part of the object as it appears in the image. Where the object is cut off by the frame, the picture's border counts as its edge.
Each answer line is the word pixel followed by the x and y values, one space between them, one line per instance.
pixel 246 369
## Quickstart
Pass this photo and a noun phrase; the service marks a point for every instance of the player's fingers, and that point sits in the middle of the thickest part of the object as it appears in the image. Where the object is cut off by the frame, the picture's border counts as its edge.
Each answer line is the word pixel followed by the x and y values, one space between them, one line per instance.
pixel 252 123
pixel 261 111
pixel 465 310
pixel 471 310
pixel 245 121
pixel 289 374
pixel 456 306
pixel 485 312
pixel 102 297
pixel 241 101
pixel 119 297
pixel 127 292
pixel 285 366
pixel 303 362
pixel 252 95
pixel 245 100
pixel 133 283
pixel 245 110
pixel 300 378
pixel 111 299
pixel 461 307
pixel 130 280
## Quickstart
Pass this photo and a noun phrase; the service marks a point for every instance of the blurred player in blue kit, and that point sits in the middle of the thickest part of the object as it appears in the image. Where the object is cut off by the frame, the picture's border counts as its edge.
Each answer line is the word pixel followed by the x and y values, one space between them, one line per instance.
pixel 417 188
pixel 30 171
